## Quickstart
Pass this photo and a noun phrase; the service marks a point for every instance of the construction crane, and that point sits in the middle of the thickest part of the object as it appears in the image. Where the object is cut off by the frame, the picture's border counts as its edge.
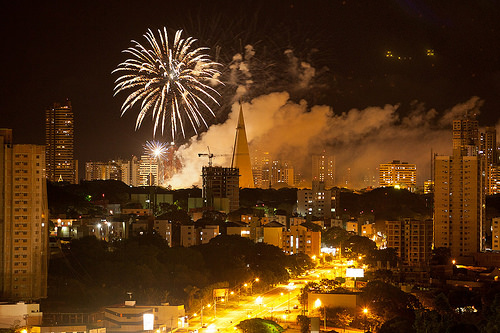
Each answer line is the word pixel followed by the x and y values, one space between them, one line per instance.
pixel 209 155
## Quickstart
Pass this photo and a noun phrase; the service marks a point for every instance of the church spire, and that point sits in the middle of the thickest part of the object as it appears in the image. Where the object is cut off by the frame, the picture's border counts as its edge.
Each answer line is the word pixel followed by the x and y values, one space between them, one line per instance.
pixel 241 155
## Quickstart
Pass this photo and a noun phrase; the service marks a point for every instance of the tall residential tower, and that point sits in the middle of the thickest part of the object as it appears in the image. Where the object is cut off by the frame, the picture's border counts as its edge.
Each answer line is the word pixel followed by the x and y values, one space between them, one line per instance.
pixel 59 144
pixel 323 169
pixel 221 188
pixel 459 193
pixel 491 165
pixel 23 221
pixel 397 173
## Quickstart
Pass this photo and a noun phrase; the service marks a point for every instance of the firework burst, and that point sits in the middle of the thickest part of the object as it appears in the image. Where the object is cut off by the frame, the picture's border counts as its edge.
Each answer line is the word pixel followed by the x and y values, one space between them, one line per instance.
pixel 156 149
pixel 173 83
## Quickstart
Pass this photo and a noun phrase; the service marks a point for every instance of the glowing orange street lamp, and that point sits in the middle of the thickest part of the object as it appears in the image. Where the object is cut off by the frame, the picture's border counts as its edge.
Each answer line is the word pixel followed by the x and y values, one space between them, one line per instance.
pixel 365 312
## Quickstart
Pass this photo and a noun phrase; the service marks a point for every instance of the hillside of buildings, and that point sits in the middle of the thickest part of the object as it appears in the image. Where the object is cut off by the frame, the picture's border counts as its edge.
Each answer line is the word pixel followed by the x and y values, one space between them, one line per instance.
pixel 87 197
pixel 382 203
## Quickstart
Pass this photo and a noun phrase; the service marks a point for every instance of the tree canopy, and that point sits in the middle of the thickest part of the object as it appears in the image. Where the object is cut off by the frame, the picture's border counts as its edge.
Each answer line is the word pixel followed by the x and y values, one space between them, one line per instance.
pixel 91 273
pixel 259 325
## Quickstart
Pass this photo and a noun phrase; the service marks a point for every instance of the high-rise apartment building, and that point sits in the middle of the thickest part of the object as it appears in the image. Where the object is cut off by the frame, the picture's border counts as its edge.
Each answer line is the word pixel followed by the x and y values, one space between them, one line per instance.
pixel 412 240
pixel 130 171
pixel 127 171
pixel 221 188
pixel 371 177
pixel 347 181
pixel 428 186
pixel 489 151
pixel 323 169
pixel 59 144
pixel 466 136
pixel 317 201
pixel 103 170
pixel 494 181
pixel 495 234
pixel 23 220
pixel 148 171
pixel 397 173
pixel 459 193
pixel 458 203
pixel 261 168
pixel 281 174
pixel 95 171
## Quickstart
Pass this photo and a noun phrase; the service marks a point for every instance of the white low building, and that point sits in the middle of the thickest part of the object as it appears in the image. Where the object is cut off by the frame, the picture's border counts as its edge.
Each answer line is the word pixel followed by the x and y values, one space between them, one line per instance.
pixel 19 315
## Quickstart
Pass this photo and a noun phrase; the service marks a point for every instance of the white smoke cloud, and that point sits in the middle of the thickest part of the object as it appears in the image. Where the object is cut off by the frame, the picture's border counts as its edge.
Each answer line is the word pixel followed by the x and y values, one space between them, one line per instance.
pixel 360 139
pixel 471 107
pixel 240 73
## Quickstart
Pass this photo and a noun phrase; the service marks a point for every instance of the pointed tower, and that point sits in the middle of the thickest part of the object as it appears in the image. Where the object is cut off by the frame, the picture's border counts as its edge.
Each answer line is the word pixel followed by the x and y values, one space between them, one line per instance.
pixel 241 156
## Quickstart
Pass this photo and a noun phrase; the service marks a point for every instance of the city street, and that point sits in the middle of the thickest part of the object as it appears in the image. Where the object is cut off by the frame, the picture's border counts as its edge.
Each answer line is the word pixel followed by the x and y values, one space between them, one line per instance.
pixel 279 304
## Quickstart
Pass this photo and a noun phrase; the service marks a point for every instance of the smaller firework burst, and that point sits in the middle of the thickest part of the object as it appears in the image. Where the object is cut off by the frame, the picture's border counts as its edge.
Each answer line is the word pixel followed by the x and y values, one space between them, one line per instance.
pixel 156 149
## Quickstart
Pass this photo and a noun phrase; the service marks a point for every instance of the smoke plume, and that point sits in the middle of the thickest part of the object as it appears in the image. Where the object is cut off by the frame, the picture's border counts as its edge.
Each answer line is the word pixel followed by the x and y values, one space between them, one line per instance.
pixel 359 139
pixel 292 131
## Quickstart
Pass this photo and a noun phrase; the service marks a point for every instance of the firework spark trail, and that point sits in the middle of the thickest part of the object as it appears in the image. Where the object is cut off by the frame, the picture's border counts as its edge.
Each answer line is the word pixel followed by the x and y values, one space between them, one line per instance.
pixel 171 82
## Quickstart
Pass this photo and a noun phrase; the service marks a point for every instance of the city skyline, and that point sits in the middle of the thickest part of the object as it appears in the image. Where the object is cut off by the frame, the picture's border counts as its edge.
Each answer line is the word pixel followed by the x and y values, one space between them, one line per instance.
pixel 439 58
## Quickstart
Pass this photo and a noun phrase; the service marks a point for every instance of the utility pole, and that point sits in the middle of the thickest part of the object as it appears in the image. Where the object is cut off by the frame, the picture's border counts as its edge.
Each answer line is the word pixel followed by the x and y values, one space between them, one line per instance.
pixel 324 315
pixel 288 301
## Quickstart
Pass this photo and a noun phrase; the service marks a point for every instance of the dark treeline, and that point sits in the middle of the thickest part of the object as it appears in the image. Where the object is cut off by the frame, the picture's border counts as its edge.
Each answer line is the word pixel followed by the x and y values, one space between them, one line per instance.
pixel 90 273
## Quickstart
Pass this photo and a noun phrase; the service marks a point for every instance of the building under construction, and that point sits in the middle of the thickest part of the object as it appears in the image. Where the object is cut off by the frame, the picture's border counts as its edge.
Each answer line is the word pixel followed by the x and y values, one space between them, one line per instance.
pixel 221 185
pixel 221 188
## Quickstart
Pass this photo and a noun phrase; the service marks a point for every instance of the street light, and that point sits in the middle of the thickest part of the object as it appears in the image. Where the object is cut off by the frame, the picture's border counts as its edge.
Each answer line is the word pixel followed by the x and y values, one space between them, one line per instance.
pixel 251 285
pixel 201 315
pixel 365 312
pixel 317 305
pixel 215 306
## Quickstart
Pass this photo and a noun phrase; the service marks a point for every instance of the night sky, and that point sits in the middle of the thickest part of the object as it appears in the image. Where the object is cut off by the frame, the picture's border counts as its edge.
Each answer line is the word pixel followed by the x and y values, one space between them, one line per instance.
pixel 53 50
